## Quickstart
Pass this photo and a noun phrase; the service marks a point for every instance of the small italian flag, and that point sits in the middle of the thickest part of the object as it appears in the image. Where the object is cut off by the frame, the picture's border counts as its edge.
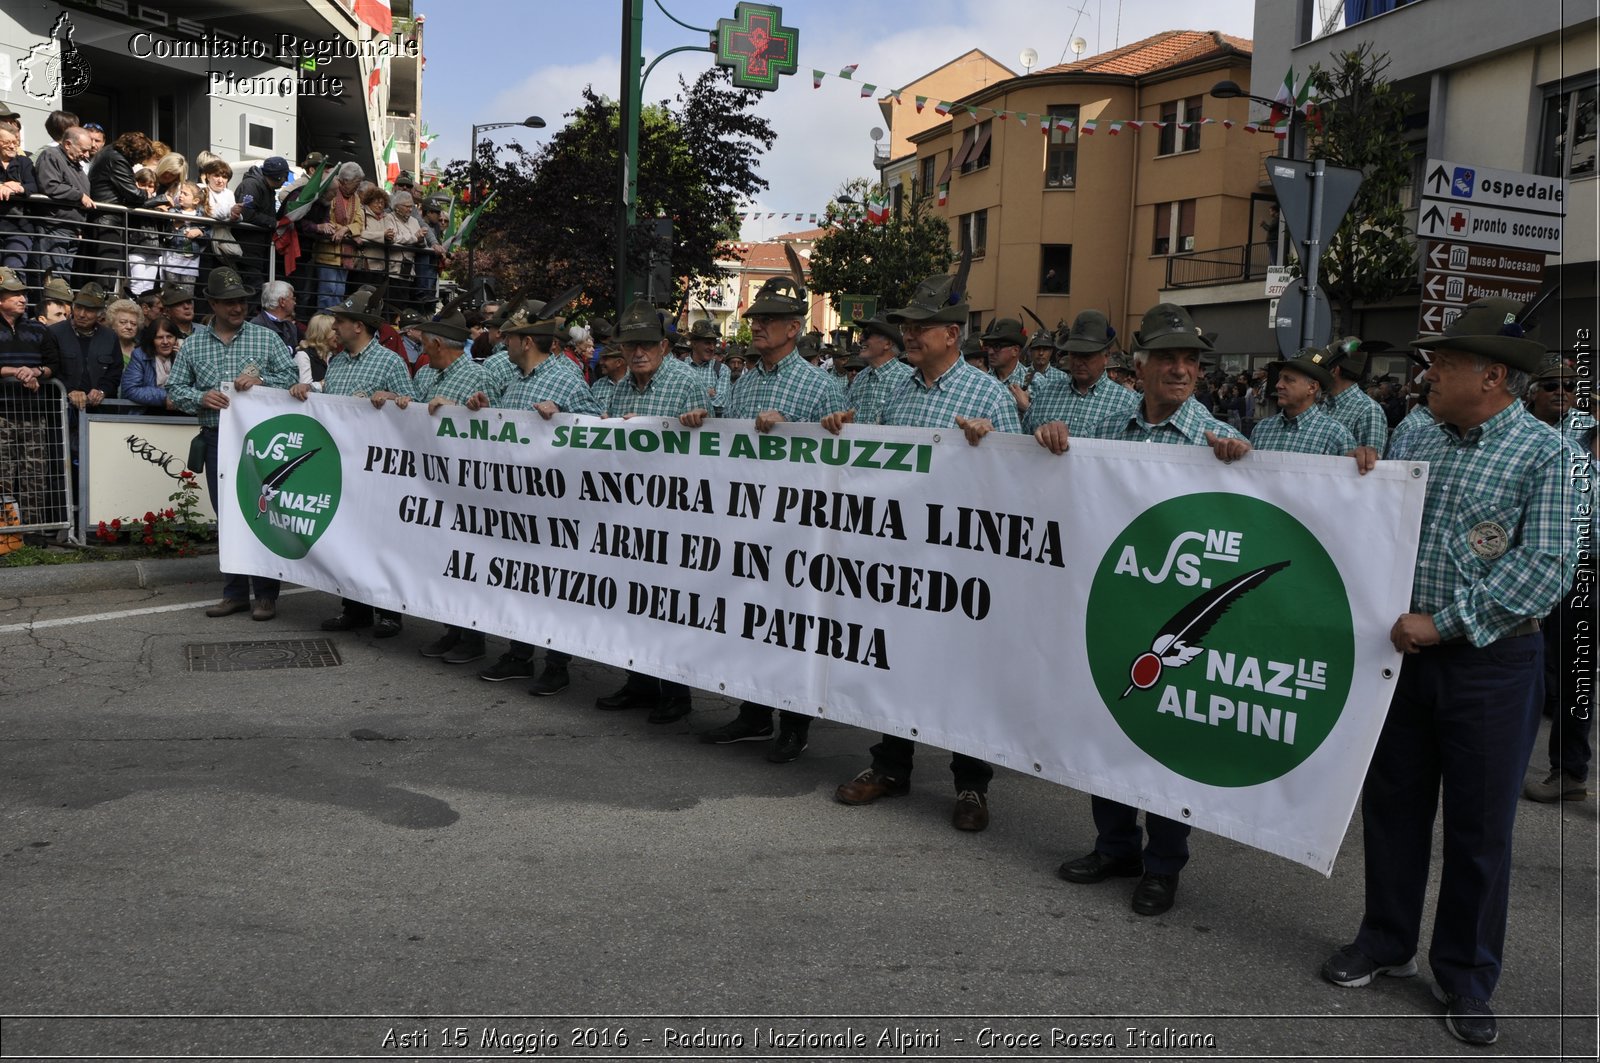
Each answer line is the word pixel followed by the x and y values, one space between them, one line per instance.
pixel 391 165
pixel 942 107
pixel 878 208
pixel 922 101
pixel 944 193
pixel 816 78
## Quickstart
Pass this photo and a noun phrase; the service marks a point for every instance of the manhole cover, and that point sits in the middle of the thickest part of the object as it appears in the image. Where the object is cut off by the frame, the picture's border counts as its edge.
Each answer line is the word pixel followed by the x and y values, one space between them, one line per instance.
pixel 258 656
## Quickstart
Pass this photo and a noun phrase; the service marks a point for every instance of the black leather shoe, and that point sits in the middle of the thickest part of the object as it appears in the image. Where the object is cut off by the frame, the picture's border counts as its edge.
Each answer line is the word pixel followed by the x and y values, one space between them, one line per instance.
pixel 669 709
pixel 790 744
pixel 386 628
pixel 971 811
pixel 1155 893
pixel 1097 867
pixel 553 680
pixel 631 696
pixel 472 647
pixel 346 621
pixel 443 644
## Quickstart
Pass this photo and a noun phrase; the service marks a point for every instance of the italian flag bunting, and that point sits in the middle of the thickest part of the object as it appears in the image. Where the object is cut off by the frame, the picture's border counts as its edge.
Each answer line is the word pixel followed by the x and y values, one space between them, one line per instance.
pixel 391 165
pixel 375 13
pixel 922 101
pixel 816 79
pixel 849 72
pixel 944 193
pixel 942 107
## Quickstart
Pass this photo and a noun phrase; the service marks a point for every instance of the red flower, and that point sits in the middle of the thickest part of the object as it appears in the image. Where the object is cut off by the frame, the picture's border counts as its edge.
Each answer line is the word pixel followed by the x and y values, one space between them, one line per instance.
pixel 171 513
pixel 116 524
pixel 149 518
pixel 186 475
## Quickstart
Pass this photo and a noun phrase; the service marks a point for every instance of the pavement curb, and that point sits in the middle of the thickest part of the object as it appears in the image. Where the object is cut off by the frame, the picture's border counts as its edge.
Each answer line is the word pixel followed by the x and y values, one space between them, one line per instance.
pixel 140 574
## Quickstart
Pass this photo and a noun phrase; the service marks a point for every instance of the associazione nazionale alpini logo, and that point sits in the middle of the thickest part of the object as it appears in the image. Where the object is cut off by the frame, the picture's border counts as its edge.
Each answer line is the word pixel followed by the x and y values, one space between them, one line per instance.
pixel 1220 638
pixel 288 483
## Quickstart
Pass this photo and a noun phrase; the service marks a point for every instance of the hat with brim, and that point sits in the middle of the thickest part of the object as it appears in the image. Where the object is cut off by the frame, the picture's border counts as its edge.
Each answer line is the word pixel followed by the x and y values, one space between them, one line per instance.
pixel 409 319
pixel 6 111
pixel 90 297
pixel 360 305
pixel 1489 328
pixel 876 325
pixel 600 330
pixel 451 327
pixel 1042 338
pixel 704 330
pixel 1312 363
pixel 778 297
pixel 10 282
pixel 1091 333
pixel 224 282
pixel 972 347
pixel 57 290
pixel 175 295
pixel 935 302
pixel 1557 371
pixel 1004 332
pixel 1168 325
pixel 640 323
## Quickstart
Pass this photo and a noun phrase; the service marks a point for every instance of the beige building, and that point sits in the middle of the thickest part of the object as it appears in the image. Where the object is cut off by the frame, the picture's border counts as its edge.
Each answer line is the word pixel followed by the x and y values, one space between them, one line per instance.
pixel 1074 220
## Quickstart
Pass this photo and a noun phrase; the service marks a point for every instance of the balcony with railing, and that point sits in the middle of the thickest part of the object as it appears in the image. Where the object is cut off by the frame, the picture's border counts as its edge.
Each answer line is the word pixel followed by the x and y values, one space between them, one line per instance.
pixel 1220 265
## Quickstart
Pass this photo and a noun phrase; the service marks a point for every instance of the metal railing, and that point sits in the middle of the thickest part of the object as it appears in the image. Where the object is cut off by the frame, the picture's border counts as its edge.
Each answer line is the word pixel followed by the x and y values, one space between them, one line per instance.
pixel 1221 265
pixel 35 458
pixel 144 248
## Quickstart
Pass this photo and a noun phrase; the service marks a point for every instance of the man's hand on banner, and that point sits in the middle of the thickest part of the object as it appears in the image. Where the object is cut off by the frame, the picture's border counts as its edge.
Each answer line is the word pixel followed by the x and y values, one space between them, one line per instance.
pixel 690 418
pixel 214 400
pixel 766 419
pixel 381 397
pixel 1366 458
pixel 1413 631
pixel 834 422
pixel 436 403
pixel 477 401
pixel 1227 449
pixel 547 409
pixel 247 379
pixel 300 391
pixel 1052 437
pixel 975 428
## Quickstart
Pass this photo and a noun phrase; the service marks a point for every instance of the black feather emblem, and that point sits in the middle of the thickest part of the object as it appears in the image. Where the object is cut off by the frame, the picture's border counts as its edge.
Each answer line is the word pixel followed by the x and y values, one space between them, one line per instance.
pixel 275 480
pixel 958 288
pixel 1036 320
pixel 1178 641
pixel 797 268
pixel 557 305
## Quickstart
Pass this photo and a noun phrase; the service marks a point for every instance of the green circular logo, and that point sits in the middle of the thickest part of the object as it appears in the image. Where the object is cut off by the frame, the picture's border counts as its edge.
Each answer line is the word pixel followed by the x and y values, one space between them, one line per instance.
pixel 1219 636
pixel 288 483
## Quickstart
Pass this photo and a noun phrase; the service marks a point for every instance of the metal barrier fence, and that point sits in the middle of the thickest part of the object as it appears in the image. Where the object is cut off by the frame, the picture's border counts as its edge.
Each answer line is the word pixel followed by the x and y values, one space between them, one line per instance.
pixel 35 458
pixel 147 248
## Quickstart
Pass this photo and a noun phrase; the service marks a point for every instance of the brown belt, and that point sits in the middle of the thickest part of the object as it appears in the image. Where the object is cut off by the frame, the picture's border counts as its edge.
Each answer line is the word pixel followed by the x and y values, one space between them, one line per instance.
pixel 1527 627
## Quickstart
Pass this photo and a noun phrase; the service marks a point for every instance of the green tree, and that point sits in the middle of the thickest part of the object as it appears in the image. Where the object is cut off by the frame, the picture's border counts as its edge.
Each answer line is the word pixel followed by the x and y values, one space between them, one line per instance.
pixel 554 221
pixel 889 261
pixel 1372 257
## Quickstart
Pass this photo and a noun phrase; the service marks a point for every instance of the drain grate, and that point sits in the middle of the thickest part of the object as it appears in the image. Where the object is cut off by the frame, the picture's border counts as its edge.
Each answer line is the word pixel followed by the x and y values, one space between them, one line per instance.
pixel 259 656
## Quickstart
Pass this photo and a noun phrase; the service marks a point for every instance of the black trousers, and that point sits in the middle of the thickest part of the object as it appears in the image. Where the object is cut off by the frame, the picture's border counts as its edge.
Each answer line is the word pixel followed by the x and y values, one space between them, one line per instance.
pixel 1463 720
pixel 892 756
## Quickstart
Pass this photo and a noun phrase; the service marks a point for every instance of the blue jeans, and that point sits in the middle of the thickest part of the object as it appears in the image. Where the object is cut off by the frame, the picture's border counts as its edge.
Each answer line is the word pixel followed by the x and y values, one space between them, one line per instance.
pixel 330 285
pixel 234 586
pixel 1463 719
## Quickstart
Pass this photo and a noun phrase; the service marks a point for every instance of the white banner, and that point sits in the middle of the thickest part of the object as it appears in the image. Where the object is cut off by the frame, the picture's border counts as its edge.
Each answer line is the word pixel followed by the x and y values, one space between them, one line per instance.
pixel 1204 641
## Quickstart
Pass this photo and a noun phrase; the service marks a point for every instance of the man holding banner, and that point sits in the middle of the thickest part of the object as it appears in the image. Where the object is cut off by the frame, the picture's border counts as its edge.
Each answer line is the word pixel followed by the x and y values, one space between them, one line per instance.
pixel 229 349
pixel 781 386
pixel 1496 553
pixel 549 383
pixel 880 350
pixel 362 367
pixel 1167 361
pixel 656 386
pixel 943 391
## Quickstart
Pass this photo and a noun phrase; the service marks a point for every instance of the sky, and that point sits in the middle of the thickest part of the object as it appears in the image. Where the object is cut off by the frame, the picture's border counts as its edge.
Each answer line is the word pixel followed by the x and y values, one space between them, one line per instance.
pixel 503 60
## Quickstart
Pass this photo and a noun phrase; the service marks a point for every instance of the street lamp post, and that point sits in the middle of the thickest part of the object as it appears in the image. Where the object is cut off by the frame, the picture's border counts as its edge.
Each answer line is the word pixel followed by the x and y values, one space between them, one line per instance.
pixel 533 121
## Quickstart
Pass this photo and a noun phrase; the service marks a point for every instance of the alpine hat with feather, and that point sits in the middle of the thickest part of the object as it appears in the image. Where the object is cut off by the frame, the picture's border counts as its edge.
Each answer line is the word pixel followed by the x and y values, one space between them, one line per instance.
pixel 939 300
pixel 1490 328
pixel 782 296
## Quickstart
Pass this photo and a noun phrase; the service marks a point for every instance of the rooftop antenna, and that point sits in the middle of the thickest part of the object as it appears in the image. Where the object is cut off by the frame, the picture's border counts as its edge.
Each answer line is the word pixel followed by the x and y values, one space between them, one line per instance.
pixel 1081 12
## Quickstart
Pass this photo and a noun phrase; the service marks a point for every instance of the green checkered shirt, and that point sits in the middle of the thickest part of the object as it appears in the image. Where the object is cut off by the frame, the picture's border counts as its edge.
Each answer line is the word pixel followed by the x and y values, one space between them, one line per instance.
pixel 1042 378
pixel 960 391
pixel 373 368
pixel 1019 376
pixel 460 382
pixel 674 389
pixel 1357 411
pixel 1057 400
pixel 1417 420
pixel 1187 427
pixel 873 386
pixel 795 388
pixel 714 375
pixel 557 380
pixel 601 389
pixel 1312 432
pixel 204 361
pixel 498 373
pixel 1507 477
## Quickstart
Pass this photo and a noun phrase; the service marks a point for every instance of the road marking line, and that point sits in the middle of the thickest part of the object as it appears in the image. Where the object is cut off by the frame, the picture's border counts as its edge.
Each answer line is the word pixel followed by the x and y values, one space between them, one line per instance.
pixel 122 614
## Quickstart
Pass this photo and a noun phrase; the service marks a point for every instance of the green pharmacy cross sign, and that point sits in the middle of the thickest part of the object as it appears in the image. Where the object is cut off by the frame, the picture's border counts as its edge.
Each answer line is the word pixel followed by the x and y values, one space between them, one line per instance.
pixel 756 46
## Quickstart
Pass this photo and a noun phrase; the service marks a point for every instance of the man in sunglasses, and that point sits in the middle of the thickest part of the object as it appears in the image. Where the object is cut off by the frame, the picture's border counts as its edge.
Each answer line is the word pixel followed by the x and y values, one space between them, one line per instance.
pixel 1552 398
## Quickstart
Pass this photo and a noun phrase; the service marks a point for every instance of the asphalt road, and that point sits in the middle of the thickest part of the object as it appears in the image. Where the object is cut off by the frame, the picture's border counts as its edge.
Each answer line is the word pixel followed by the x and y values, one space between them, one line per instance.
pixel 516 876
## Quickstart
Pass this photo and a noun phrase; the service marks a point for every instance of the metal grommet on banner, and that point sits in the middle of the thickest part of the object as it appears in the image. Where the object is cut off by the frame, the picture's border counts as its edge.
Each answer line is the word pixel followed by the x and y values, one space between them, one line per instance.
pixel 821 710
pixel 1184 813
pixel 1415 472
pixel 722 686
pixel 913 732
pixel 1037 767
pixel 936 437
pixel 1388 673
